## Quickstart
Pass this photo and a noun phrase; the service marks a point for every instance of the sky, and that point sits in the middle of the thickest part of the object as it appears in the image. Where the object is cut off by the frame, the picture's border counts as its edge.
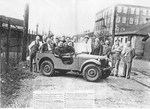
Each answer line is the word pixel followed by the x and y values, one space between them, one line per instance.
pixel 62 17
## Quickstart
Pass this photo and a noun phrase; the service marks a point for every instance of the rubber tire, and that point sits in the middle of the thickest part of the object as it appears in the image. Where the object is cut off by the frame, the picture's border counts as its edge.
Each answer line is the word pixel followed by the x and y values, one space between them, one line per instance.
pixel 96 77
pixel 51 67
pixel 106 74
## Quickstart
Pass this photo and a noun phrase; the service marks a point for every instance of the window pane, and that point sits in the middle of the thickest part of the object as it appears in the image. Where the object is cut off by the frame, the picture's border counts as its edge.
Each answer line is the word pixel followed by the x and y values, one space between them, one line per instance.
pixel 141 21
pixel 132 10
pixel 136 21
pixel 126 40
pixel 148 12
pixel 144 11
pixel 125 9
pixel 121 39
pixel 118 19
pixel 119 9
pixel 137 11
pixel 131 21
pixel 123 19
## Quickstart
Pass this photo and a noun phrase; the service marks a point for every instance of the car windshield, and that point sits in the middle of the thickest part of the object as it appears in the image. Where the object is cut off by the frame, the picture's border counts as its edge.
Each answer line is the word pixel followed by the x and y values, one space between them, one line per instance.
pixel 80 47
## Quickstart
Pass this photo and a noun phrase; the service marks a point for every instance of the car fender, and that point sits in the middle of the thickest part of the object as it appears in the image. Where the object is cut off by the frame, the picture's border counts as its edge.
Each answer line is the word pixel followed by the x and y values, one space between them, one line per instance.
pixel 94 61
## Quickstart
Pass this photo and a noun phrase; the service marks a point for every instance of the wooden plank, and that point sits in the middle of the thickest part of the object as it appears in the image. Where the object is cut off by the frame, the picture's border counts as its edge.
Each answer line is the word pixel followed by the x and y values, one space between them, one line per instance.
pixel 0 44
pixel 7 46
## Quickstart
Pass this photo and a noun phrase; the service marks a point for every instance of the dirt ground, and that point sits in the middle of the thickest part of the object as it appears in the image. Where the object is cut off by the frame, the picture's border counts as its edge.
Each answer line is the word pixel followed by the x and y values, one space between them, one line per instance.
pixel 110 93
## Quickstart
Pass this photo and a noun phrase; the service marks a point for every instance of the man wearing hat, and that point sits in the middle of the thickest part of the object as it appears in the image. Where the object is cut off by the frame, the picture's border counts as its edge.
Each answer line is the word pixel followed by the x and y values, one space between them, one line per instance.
pixel 128 55
pixel 88 47
pixel 116 56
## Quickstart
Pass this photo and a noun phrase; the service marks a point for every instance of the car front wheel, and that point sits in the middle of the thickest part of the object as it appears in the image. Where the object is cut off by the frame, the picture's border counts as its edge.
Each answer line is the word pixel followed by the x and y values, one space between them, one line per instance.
pixel 92 72
pixel 47 68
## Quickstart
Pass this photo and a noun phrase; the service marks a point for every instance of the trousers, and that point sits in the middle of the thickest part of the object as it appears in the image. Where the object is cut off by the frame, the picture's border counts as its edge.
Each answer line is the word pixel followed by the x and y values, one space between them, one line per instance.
pixel 32 57
pixel 127 68
pixel 115 63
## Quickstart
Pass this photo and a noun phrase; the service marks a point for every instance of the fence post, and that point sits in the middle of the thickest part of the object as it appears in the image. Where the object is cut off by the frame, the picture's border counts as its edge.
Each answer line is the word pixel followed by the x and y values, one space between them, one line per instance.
pixel 0 44
pixel 7 45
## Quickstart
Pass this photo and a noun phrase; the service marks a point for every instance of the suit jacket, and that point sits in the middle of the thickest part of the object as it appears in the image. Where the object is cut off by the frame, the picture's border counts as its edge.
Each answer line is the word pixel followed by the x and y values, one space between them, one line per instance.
pixel 98 50
pixel 106 50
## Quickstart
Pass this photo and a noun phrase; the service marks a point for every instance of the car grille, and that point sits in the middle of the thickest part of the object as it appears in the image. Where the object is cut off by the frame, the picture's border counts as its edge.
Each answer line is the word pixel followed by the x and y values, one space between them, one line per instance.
pixel 104 63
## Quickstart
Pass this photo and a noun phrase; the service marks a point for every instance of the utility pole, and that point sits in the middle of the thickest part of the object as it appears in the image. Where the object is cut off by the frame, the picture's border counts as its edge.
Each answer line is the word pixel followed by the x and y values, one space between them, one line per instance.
pixel 114 25
pixel 25 32
pixel 37 26
pixel 0 44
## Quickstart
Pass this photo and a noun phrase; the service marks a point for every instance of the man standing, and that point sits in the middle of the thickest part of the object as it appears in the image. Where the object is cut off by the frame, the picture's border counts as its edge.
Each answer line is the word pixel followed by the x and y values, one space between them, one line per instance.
pixel 97 47
pixel 128 53
pixel 33 48
pixel 106 49
pixel 116 56
pixel 88 45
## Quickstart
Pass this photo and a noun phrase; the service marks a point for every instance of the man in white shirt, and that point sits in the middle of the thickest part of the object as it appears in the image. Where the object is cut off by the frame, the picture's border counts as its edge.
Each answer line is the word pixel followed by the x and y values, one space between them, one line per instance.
pixel 88 47
pixel 33 48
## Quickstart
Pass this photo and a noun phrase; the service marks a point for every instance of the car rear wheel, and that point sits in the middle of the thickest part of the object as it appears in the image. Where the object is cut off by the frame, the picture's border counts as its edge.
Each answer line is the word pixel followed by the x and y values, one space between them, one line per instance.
pixel 47 68
pixel 92 73
pixel 106 74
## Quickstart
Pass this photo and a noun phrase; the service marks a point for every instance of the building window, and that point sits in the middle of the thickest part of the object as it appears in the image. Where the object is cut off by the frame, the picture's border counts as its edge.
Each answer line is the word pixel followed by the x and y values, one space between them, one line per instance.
pixel 125 9
pixel 119 9
pixel 121 39
pixel 123 19
pixel 118 19
pixel 132 10
pixel 141 21
pixel 136 21
pixel 126 40
pixel 137 11
pixel 131 21
pixel 110 11
pixel 144 11
pixel 117 29
pixel 148 12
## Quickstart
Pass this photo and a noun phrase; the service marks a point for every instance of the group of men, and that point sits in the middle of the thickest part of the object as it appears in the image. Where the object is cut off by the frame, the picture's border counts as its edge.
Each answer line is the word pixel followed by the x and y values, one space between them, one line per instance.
pixel 65 46
pixel 60 47
pixel 116 53
pixel 126 53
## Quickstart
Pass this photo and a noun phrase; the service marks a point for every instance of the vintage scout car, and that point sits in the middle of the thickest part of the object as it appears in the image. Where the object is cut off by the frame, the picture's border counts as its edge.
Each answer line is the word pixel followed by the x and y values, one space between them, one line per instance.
pixel 92 67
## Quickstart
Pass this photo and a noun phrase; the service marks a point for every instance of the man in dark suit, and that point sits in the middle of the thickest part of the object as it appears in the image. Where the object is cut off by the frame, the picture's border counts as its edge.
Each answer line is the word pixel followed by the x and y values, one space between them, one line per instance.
pixel 128 55
pixel 97 48
pixel 106 49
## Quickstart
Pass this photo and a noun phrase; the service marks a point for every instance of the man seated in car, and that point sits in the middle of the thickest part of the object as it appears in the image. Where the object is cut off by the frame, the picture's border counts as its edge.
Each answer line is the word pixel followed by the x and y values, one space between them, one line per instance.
pixel 65 52
pixel 69 49
pixel 60 49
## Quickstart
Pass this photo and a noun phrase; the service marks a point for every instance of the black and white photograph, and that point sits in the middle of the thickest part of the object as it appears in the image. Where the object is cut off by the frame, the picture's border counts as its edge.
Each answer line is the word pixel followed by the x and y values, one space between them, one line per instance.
pixel 74 54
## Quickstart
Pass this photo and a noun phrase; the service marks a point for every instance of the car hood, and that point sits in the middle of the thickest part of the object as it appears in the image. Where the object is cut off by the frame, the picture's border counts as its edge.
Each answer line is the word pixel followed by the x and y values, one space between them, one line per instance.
pixel 88 56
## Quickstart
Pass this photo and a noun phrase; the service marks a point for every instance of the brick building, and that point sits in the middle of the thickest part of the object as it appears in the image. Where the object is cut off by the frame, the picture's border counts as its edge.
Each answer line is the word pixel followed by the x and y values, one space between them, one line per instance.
pixel 127 21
